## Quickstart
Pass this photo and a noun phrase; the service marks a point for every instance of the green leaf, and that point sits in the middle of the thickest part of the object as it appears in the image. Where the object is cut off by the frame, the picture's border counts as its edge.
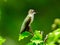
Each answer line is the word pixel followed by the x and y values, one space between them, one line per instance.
pixel 31 43
pixel 51 43
pixel 23 35
pixel 37 38
pixel 58 41
pixel 53 37
pixel 2 40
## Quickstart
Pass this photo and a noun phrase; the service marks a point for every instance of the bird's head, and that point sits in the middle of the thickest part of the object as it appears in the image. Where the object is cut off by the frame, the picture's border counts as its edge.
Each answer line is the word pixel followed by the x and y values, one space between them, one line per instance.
pixel 31 11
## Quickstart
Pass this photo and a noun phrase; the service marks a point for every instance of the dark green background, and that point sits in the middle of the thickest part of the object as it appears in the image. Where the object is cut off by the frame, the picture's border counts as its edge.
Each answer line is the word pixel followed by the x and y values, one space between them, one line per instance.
pixel 13 12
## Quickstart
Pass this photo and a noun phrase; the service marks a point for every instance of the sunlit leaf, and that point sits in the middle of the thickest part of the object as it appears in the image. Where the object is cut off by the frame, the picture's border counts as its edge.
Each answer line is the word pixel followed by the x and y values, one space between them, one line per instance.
pixel 2 40
pixel 58 41
pixel 23 35
pixel 31 43
pixel 37 38
pixel 51 43
pixel 53 37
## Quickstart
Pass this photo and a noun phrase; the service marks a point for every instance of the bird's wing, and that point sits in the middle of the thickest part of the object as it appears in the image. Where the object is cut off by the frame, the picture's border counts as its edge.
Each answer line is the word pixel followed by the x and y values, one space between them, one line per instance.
pixel 26 22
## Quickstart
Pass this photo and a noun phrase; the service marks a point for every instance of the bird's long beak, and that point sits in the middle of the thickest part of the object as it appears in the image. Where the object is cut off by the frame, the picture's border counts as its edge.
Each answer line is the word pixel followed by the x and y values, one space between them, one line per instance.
pixel 34 12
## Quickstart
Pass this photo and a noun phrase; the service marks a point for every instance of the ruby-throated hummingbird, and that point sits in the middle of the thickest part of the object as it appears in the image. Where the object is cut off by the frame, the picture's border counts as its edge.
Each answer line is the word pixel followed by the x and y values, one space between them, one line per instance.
pixel 26 25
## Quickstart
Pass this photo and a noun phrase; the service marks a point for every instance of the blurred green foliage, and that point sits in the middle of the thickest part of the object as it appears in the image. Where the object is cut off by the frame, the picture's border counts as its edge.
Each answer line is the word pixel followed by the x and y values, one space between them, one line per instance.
pixel 13 12
pixel 2 40
pixel 53 38
pixel 36 39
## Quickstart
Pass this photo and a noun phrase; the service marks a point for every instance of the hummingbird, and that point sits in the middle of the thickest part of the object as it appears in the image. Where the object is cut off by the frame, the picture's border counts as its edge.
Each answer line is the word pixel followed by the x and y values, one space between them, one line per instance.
pixel 26 25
